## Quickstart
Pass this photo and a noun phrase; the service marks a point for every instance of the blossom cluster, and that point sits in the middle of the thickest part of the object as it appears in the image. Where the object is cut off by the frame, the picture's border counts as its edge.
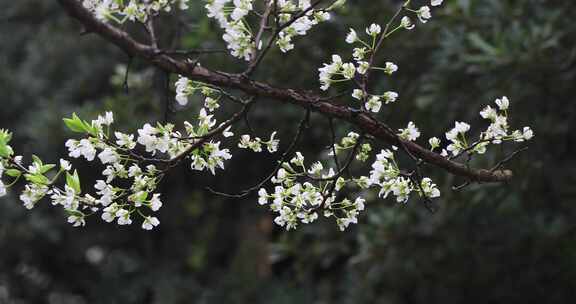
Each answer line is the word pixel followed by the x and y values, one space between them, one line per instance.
pixel 302 192
pixel 185 88
pixel 386 175
pixel 497 132
pixel 295 18
pixel 127 188
pixel 132 10
pixel 6 152
pixel 298 26
pixel 256 144
pixel 237 33
pixel 363 53
pixel 338 71
pixel 410 133
pixel 134 164
pixel 348 143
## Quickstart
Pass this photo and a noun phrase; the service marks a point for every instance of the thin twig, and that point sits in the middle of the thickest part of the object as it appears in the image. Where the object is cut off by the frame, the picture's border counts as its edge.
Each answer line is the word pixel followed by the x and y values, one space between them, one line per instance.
pixel 288 152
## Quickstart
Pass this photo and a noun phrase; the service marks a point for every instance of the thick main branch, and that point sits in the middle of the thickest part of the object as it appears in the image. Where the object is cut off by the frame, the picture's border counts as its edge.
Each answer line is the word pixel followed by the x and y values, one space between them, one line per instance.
pixel 308 100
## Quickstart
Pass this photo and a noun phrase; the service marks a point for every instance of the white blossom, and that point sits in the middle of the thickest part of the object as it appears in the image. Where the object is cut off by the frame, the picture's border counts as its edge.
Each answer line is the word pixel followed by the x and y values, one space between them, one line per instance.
pixel 390 68
pixel 352 36
pixel 123 216
pixel 390 97
pixel 108 156
pixel 67 199
pixel 434 143
pixel 150 222
pixel 182 90
pixel 107 119
pixel 348 70
pixel 363 67
pixel 411 132
pixel 374 104
pixel 81 148
pixel 109 213
pixel 32 194
pixel 424 14
pixel 489 113
pixel 2 189
pixel 227 132
pixel 273 143
pixel 64 165
pixel 298 160
pixel 316 168
pixel 436 2
pixel 358 94
pixel 76 220
pixel 155 202
pixel 359 53
pixel 262 196
pixel 125 140
pixel 406 23
pixel 527 133
pixel 430 189
pixel 373 30
pixel 503 103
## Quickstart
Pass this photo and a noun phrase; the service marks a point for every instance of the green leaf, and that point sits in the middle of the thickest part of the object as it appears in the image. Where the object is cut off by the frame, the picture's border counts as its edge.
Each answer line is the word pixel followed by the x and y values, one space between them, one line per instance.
pixel 483 45
pixel 13 172
pixel 336 5
pixel 288 167
pixel 5 150
pixel 37 160
pixel 89 128
pixel 73 181
pixel 75 124
pixel 139 197
pixel 46 168
pixel 37 179
pixel 5 136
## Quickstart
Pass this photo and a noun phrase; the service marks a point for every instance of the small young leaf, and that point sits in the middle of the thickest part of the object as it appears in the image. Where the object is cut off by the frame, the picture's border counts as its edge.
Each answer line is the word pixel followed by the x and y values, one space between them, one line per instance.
pixel 13 172
pixel 89 128
pixel 75 124
pixel 37 160
pixel 288 167
pixel 5 150
pixel 46 168
pixel 5 136
pixel 139 197
pixel 73 181
pixel 37 179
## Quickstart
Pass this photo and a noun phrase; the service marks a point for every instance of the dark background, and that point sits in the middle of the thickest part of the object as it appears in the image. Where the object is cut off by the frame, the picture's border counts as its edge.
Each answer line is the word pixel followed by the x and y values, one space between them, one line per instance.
pixel 509 243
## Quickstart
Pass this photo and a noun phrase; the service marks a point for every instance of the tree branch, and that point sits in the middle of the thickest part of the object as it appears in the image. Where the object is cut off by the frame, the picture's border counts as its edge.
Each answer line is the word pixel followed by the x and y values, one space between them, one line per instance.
pixel 304 99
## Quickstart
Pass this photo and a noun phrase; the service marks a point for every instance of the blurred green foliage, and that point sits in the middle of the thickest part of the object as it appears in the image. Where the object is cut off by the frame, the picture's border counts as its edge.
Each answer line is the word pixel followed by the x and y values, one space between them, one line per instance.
pixel 486 244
